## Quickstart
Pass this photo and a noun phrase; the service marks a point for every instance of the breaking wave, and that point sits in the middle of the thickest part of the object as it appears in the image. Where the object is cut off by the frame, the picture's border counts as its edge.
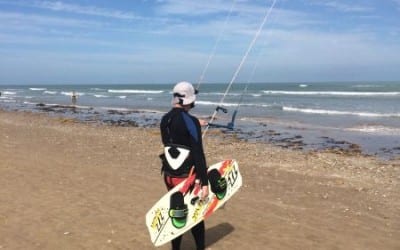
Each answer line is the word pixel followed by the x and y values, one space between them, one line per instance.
pixel 329 93
pixel 135 91
pixel 336 112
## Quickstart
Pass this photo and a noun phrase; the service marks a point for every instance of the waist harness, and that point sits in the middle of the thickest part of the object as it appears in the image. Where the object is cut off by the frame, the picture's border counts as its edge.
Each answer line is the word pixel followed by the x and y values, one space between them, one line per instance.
pixel 176 160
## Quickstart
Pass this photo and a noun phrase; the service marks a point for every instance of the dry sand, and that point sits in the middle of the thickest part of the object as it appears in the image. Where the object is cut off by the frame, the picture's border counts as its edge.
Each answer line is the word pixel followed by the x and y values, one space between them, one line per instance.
pixel 69 185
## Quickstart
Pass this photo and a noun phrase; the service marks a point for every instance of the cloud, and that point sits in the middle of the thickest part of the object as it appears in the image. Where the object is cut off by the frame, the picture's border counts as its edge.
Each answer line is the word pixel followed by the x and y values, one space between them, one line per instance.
pixel 192 8
pixel 18 19
pixel 33 29
pixel 178 36
pixel 87 10
pixel 343 7
pixel 75 8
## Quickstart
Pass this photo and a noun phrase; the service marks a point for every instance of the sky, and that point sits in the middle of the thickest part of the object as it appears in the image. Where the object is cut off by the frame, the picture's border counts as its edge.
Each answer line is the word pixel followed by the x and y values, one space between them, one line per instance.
pixel 165 41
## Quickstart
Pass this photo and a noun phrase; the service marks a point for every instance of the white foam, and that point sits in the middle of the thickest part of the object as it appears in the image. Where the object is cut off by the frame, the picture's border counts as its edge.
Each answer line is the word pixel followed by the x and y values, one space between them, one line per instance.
pixel 225 104
pixel 101 96
pixel 37 89
pixel 219 94
pixel 376 129
pixel 330 93
pixel 50 92
pixel 30 103
pixel 70 93
pixel 208 103
pixel 366 86
pixel 135 91
pixel 8 93
pixel 9 100
pixel 303 85
pixel 336 112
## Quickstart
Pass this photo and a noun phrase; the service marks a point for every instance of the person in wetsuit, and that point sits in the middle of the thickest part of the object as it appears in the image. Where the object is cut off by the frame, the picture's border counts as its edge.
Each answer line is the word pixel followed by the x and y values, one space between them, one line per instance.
pixel 182 130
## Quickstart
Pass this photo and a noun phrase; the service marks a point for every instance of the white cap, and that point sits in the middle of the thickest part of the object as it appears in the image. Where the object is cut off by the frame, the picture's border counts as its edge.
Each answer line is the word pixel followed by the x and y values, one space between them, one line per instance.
pixel 184 93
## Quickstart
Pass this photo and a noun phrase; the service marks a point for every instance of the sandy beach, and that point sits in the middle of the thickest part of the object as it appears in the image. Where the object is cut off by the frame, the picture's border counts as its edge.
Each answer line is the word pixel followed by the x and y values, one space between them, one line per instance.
pixel 73 185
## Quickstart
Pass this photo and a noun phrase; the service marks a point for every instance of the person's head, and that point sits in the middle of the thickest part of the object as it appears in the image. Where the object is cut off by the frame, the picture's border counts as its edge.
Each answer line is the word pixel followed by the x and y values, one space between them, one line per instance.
pixel 184 95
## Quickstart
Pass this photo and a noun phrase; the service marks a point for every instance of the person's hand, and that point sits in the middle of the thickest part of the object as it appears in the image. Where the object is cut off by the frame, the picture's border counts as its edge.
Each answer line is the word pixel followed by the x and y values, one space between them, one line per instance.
pixel 203 122
pixel 204 192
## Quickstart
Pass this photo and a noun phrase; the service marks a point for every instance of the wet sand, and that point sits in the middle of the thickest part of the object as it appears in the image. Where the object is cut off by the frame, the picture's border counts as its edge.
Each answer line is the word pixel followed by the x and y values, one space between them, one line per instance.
pixel 73 185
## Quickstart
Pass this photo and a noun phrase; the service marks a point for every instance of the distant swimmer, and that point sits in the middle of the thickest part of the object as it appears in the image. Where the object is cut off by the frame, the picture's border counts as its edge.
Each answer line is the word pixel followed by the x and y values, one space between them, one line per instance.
pixel 74 98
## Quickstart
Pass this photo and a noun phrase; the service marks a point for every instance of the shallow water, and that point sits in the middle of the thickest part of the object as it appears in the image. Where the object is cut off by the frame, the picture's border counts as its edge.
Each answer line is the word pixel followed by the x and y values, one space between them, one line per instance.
pixel 297 115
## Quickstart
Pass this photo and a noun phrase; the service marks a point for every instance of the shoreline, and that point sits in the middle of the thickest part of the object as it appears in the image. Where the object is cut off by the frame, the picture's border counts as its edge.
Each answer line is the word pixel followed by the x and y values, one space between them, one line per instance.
pixel 75 185
pixel 268 131
pixel 349 118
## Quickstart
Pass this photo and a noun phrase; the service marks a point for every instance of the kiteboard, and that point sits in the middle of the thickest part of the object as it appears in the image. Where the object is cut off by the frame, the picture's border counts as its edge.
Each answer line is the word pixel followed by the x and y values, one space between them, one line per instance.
pixel 181 208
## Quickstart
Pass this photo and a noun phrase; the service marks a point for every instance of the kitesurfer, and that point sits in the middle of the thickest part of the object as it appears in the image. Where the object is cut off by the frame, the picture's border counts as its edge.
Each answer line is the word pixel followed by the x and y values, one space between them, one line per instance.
pixel 181 134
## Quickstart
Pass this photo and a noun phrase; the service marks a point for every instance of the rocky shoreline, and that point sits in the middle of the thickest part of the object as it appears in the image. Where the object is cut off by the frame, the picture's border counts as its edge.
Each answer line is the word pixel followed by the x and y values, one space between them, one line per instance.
pixel 148 119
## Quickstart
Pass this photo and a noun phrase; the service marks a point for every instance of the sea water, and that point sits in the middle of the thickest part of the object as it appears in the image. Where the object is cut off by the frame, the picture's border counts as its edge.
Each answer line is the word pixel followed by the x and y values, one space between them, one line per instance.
pixel 364 113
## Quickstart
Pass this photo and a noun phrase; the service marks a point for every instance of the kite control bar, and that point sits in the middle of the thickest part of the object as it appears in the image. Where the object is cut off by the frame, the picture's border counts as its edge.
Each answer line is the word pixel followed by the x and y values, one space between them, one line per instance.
pixel 230 124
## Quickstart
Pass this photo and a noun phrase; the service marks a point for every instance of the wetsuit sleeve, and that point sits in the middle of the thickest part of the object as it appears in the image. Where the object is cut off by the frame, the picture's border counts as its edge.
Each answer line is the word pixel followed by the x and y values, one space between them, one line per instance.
pixel 196 144
pixel 164 128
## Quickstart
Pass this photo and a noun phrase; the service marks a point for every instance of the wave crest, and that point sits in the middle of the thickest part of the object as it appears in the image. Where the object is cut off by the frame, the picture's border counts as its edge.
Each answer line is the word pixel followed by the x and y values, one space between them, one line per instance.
pixel 336 112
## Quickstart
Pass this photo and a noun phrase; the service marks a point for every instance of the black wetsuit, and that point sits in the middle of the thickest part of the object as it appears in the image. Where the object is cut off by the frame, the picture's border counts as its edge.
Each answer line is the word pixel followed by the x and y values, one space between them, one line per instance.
pixel 181 128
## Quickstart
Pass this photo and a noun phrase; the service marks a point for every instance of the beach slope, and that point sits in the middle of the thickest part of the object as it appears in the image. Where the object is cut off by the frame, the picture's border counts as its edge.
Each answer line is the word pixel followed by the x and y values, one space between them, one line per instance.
pixel 70 185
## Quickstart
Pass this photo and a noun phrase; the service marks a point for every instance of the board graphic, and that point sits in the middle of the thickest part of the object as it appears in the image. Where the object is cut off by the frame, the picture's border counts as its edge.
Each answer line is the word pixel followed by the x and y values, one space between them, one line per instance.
pixel 181 208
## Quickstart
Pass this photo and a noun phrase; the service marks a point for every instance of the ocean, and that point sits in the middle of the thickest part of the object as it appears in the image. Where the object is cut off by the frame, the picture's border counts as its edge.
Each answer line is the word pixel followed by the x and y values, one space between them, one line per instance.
pixel 361 116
